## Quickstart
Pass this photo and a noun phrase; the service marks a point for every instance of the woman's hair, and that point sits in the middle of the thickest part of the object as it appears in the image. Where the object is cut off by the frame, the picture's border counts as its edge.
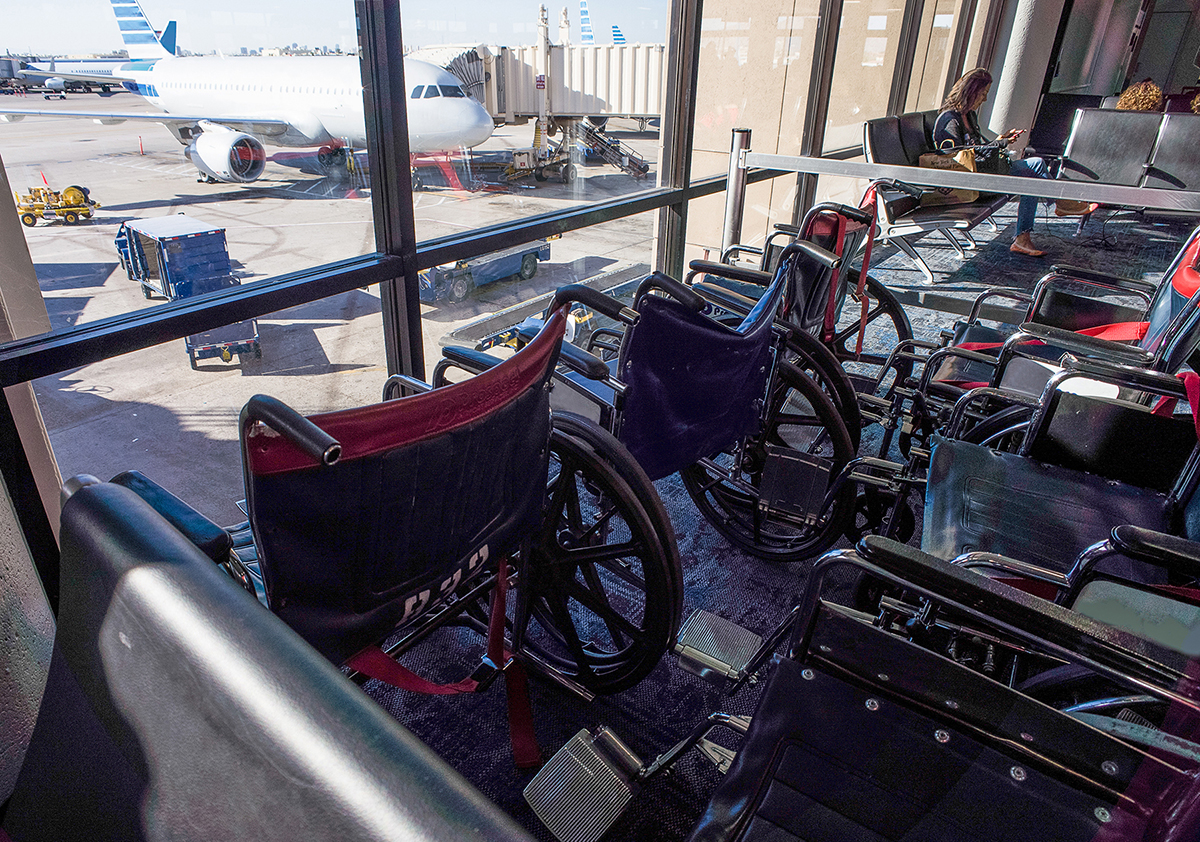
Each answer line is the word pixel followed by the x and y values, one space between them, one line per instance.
pixel 965 94
pixel 1195 104
pixel 1144 96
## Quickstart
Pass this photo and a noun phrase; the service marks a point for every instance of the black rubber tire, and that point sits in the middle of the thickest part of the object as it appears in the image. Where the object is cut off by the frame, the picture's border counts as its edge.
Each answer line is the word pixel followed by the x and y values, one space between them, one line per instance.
pixel 539 175
pixel 807 353
pixel 459 289
pixel 810 424
pixel 603 585
pixel 529 267
pixel 28 220
pixel 887 326
pixel 70 217
pixel 568 174
pixel 1005 430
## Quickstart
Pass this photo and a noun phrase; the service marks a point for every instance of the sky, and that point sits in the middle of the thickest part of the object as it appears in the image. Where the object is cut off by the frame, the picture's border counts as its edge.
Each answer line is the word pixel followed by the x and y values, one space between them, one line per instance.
pixel 67 27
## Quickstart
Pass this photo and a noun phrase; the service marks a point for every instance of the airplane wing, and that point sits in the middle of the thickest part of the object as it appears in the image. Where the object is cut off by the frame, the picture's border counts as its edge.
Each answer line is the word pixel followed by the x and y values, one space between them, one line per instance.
pixel 96 78
pixel 258 126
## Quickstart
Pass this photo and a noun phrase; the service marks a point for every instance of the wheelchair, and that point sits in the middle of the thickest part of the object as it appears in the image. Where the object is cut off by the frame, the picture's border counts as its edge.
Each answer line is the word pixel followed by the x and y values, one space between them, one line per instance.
pixel 390 521
pixel 754 438
pixel 864 733
pixel 1071 310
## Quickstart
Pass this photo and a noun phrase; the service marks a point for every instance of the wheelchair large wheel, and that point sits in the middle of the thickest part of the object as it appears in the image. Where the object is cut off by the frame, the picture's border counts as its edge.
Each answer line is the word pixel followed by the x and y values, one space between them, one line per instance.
pixel 726 490
pixel 807 353
pixel 603 588
pixel 887 326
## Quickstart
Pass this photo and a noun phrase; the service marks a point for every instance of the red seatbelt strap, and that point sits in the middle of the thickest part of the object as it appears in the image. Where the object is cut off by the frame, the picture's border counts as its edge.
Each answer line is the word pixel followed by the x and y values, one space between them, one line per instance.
pixel 867 204
pixel 1191 384
pixel 1118 331
pixel 831 306
pixel 375 663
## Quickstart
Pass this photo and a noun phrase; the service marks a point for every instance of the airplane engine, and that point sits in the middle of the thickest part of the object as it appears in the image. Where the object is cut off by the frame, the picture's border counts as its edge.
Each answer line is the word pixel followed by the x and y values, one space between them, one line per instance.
pixel 225 155
pixel 54 83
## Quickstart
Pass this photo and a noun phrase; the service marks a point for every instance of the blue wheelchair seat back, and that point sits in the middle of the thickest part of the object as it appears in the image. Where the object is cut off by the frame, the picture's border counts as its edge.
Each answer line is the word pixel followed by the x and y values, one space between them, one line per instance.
pixel 693 384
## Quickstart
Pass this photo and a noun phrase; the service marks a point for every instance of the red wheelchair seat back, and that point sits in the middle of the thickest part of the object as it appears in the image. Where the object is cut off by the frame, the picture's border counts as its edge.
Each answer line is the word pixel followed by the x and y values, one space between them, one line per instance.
pixel 429 487
pixel 694 385
pixel 1171 300
pixel 812 283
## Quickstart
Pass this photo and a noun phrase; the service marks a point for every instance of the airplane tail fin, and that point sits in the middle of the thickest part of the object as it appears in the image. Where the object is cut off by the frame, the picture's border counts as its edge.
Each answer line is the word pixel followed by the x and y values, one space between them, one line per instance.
pixel 585 24
pixel 141 41
pixel 618 38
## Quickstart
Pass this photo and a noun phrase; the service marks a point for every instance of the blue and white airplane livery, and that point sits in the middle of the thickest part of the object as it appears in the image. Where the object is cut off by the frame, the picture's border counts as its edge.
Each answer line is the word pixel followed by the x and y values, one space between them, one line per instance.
pixel 223 109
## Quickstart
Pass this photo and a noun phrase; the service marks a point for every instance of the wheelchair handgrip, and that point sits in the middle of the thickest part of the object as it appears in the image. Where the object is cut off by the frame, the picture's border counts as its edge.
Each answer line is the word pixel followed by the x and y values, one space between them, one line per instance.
pixel 826 258
pixel 853 214
pixel 681 293
pixel 1170 551
pixel 595 299
pixel 734 273
pixel 294 427
pixel 914 192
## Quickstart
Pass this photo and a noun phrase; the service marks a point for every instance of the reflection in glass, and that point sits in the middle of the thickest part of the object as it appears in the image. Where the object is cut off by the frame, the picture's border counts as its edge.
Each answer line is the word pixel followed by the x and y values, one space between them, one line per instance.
pixel 868 42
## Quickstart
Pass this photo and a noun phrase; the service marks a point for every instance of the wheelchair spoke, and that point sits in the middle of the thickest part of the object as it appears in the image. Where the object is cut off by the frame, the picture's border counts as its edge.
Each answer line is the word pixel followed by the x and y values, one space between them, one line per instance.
pixel 604 586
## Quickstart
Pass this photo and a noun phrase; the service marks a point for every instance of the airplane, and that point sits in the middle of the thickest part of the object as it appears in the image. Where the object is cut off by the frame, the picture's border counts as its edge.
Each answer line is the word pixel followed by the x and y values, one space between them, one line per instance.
pixel 141 42
pixel 223 110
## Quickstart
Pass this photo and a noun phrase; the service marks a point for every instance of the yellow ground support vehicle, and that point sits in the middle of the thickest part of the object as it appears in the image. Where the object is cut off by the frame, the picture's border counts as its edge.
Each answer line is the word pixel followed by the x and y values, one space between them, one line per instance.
pixel 70 205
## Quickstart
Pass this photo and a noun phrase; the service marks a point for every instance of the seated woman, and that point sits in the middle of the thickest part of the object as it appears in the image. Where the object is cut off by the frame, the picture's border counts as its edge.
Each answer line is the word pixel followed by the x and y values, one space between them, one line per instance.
pixel 957 126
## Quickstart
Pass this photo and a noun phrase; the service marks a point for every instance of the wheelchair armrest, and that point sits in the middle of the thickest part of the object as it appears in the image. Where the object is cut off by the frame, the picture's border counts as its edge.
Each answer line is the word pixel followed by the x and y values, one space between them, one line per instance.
pixel 1135 377
pixel 1169 551
pixel 293 426
pixel 474 361
pixel 734 273
pixel 1077 343
pixel 997 292
pixel 572 356
pixel 595 299
pixel 724 298
pixel 211 539
pixel 1106 278
pixel 1054 628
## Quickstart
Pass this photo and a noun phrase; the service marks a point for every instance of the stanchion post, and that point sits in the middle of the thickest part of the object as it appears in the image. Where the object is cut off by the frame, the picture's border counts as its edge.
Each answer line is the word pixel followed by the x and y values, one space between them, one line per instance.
pixel 735 189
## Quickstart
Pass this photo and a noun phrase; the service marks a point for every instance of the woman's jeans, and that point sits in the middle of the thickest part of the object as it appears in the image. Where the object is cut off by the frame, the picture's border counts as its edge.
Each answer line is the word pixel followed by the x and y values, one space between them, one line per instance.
pixel 1027 207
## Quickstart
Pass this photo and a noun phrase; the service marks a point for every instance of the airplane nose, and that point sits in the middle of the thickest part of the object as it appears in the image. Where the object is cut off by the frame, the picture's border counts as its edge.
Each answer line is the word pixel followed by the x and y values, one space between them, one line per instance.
pixel 481 126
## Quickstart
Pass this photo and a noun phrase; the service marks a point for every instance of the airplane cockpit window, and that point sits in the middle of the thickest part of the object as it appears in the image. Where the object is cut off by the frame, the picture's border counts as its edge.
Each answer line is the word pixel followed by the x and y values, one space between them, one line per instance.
pixel 431 91
pixel 451 90
pixel 417 91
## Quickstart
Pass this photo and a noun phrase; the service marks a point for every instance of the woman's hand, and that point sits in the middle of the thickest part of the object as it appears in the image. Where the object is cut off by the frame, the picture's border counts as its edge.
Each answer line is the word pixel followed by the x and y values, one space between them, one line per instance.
pixel 1011 134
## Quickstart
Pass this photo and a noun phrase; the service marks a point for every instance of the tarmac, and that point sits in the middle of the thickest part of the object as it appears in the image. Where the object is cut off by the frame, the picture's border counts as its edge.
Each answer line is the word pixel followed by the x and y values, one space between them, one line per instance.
pixel 150 410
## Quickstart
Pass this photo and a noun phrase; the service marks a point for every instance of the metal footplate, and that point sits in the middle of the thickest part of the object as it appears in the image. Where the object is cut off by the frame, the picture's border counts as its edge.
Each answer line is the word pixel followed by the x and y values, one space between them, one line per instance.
pixel 584 787
pixel 715 648
pixel 794 484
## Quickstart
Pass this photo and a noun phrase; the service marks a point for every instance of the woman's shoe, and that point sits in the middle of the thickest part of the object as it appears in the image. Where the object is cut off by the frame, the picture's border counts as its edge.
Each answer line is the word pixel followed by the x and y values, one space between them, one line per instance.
pixel 1071 207
pixel 1024 245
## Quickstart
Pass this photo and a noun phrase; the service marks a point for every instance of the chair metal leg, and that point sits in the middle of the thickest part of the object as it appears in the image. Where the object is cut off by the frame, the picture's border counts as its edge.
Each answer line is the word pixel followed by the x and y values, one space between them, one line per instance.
pixel 907 248
pixel 945 232
pixel 971 244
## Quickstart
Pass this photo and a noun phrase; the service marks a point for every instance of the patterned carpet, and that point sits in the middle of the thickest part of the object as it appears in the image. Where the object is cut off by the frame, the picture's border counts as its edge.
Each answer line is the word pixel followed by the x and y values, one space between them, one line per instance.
pixel 470 732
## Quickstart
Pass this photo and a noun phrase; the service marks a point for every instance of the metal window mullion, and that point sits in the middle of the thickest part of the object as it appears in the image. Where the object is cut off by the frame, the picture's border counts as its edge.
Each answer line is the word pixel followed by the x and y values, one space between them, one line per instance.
pixel 386 108
pixel 910 31
pixel 31 515
pixel 678 126
pixel 962 38
pixel 816 110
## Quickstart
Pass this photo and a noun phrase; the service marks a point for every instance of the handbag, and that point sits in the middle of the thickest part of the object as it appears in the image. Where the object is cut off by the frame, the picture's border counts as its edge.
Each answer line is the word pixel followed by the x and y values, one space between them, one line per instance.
pixel 992 159
pixel 963 161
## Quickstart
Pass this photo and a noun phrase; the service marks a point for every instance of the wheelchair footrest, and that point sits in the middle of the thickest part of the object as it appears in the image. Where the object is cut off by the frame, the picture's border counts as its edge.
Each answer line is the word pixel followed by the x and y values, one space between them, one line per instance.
pixel 715 648
pixel 794 484
pixel 585 786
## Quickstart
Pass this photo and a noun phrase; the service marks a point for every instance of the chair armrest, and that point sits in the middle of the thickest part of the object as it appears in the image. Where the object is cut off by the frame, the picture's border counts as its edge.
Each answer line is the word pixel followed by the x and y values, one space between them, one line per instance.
pixel 212 540
pixel 734 273
pixel 1106 278
pixel 573 357
pixel 726 299
pixel 1027 618
pixel 672 287
pixel 1169 551
pixel 1076 343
